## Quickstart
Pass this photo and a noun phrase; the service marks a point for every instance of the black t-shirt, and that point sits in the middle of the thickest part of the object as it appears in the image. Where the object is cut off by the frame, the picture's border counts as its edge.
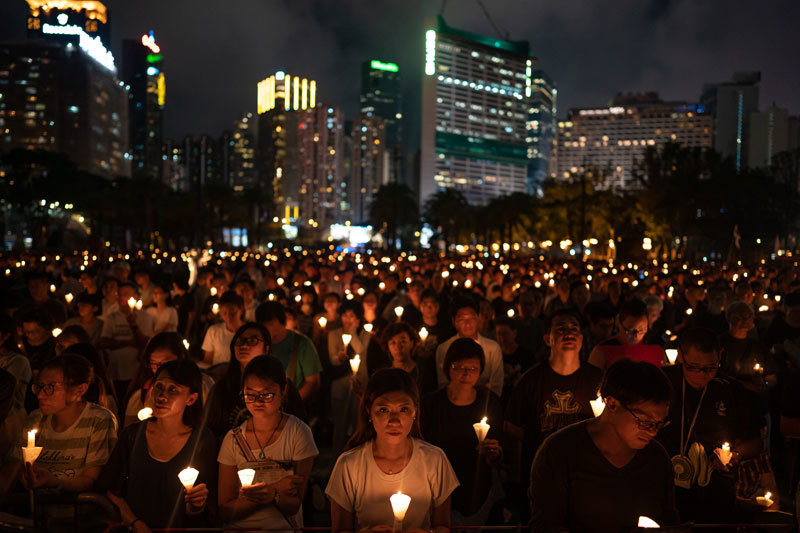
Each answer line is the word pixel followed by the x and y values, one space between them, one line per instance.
pixel 449 427
pixel 152 488
pixel 575 488
pixel 739 357
pixel 790 401
pixel 779 331
pixel 544 402
pixel 725 415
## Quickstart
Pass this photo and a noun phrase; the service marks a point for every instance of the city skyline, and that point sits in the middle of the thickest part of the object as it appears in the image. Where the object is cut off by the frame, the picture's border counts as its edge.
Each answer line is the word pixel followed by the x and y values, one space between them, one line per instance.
pixel 671 47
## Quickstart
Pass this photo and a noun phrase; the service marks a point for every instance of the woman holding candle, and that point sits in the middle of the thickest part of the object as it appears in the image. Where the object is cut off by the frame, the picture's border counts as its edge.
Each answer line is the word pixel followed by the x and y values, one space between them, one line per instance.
pixel 164 315
pixel 161 349
pixel 88 306
pixel 601 474
pixel 447 421
pixel 141 477
pixel 77 436
pixel 278 446
pixel 387 455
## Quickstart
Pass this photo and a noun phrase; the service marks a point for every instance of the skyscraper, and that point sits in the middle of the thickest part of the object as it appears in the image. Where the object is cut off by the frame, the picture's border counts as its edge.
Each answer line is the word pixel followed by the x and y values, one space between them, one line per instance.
pixel 368 164
pixel 143 72
pixel 476 95
pixel 768 136
pixel 611 140
pixel 242 161
pixel 541 128
pixel 381 96
pixel 59 90
pixel 730 104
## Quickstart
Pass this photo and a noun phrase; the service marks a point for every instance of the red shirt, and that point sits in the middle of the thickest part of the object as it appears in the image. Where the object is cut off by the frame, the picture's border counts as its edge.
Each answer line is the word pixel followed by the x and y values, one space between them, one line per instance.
pixel 615 350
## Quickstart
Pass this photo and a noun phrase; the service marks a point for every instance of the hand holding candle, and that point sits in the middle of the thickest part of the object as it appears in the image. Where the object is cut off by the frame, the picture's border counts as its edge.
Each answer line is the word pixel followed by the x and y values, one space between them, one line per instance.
pixel 215 309
pixel 246 476
pixel 399 311
pixel 598 405
pixel 31 452
pixel 322 321
pixel 423 334
pixel 724 454
pixel 481 429
pixel 346 338
pixel 765 500
pixel 647 523
pixel 188 476
pixel 144 413
pixel 131 302
pixel 368 327
pixel 355 362
pixel 672 355
pixel 400 503
pixel 68 297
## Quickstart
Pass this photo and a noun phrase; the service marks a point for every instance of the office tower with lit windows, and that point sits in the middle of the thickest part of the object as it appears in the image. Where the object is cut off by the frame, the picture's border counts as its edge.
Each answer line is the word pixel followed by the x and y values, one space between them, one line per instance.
pixel 143 72
pixel 59 90
pixel 612 140
pixel 541 128
pixel 476 94
pixel 369 166
pixel 730 105
pixel 240 154
pixel 381 96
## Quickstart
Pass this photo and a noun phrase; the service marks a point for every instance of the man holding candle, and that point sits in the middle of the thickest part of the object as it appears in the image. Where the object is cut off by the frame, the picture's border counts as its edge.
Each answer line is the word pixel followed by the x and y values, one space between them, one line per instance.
pixel 217 340
pixel 602 474
pixel 553 394
pixel 709 410
pixel 632 325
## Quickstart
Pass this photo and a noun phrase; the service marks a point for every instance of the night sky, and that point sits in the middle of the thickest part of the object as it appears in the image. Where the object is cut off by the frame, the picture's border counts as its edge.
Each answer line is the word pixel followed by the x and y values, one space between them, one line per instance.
pixel 216 51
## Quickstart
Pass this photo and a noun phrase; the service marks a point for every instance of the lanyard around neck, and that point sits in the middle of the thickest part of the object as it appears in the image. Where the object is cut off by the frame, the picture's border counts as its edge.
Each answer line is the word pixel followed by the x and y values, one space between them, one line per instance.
pixel 685 444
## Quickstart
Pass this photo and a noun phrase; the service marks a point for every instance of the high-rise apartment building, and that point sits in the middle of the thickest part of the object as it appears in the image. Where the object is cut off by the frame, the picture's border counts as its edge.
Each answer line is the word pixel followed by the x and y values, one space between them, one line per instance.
pixel 369 166
pixel 143 73
pixel 730 104
pixel 768 136
pixel 476 95
pixel 241 153
pixel 541 128
pixel 381 96
pixel 612 140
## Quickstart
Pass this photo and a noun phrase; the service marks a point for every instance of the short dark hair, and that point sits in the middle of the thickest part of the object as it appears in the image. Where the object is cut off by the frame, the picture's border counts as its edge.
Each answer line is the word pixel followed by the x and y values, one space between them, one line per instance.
pixel 231 298
pixel 570 312
pixel 185 372
pixel 76 331
pixel 269 311
pixel 505 321
pixel 633 308
pixel 461 349
pixel 463 302
pixel 597 311
pixel 701 339
pixel 632 382
pixel 266 367
pixel 396 328
pixel 38 316
pixel 429 294
pixel 351 305
pixel 77 369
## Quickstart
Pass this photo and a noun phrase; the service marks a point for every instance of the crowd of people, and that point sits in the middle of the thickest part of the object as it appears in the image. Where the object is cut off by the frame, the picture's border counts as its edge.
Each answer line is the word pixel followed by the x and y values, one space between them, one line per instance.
pixel 561 395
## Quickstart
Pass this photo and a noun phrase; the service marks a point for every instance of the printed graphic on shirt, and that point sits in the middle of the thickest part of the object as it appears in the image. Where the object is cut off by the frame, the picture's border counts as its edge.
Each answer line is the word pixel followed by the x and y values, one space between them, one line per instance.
pixel 559 412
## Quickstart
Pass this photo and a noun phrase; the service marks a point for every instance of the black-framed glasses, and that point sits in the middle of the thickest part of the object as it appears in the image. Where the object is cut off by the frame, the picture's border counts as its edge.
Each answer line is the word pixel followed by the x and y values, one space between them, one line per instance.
pixel 248 341
pixel 261 397
pixel 464 369
pixel 707 369
pixel 646 425
pixel 47 388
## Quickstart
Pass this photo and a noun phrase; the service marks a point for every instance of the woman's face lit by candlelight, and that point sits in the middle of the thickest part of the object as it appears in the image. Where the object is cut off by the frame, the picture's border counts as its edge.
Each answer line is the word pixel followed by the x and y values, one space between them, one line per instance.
pixel 392 415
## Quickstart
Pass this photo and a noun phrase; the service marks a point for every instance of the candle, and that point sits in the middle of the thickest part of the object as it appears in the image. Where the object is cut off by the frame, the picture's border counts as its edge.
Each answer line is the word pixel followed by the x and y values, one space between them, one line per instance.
pixel 68 297
pixel 724 453
pixel 185 344
pixel 31 452
pixel 765 500
pixel 381 285
pixel 215 308
pixel 368 328
pixel 763 309
pixel 481 429
pixel 510 313
pixel 212 291
pixel 139 305
pixel 131 302
pixel 355 362
pixel 188 476
pixel 598 405
pixel 346 338
pixel 246 476
pixel 52 288
pixel 758 368
pixel 468 283
pixel 689 312
pixel 56 332
pixel 672 355
pixel 647 523
pixel 399 311
pixel 32 438
pixel 144 413
pixel 423 333
pixel 445 274
pixel 280 281
pixel 297 298
pixel 400 503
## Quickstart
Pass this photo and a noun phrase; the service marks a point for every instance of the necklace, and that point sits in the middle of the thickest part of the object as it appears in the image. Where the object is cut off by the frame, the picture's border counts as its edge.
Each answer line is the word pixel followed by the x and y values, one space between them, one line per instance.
pixel 255 434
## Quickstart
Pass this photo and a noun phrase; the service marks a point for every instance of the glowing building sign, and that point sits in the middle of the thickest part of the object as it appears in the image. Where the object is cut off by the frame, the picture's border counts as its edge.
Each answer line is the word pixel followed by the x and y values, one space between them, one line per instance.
pixel 150 42
pixel 380 65
pixel 430 52
pixel 528 70
pixel 93 46
pixel 94 10
pixel 162 89
pixel 297 93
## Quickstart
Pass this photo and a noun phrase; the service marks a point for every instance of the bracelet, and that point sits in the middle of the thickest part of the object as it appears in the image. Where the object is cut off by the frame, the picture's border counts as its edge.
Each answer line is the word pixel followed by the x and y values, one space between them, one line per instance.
pixel 130 526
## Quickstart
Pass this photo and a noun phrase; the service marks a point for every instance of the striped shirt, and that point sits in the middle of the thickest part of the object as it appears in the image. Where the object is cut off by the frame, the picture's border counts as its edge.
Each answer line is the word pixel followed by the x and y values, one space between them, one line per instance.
pixel 85 444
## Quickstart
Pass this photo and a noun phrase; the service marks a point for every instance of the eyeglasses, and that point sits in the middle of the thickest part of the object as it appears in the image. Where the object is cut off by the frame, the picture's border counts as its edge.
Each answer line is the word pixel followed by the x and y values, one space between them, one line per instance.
pixel 709 369
pixel 464 369
pixel 634 332
pixel 47 388
pixel 248 341
pixel 262 397
pixel 646 425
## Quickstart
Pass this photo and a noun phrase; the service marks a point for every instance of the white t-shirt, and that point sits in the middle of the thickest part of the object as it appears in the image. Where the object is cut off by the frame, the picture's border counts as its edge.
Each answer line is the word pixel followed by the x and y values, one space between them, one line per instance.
pixel 123 363
pixel 359 486
pixel 295 443
pixel 493 374
pixel 218 340
pixel 166 320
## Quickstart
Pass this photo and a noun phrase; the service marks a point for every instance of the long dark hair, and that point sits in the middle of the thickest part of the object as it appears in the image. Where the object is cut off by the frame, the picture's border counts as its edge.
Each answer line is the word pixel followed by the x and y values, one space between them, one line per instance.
pixel 228 387
pixel 383 382
pixel 185 373
pixel 166 339
pixel 100 389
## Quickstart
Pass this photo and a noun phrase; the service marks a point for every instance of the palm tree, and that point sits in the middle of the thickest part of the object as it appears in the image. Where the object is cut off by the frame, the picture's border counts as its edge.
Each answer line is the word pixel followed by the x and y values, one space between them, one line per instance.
pixel 393 207
pixel 447 211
